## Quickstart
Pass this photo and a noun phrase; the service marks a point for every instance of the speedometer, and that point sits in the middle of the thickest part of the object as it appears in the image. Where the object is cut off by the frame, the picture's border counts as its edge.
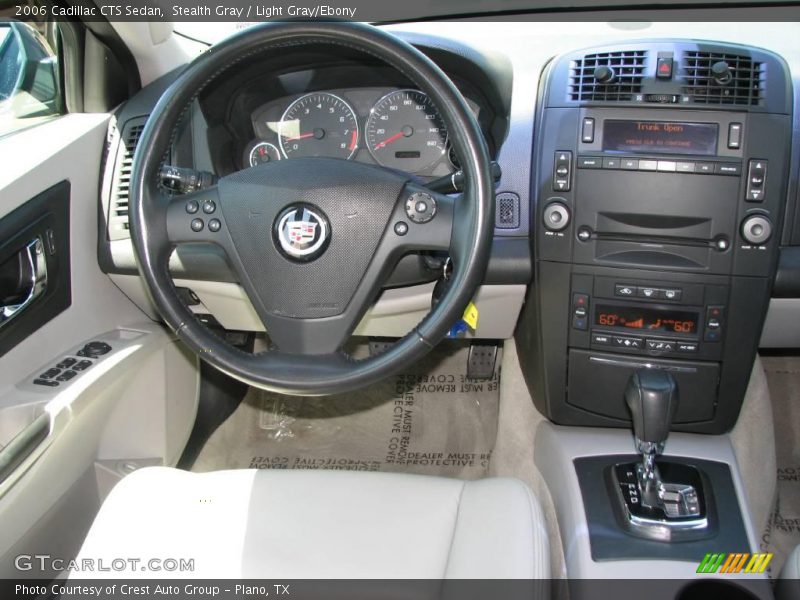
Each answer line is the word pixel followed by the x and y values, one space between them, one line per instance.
pixel 318 124
pixel 405 131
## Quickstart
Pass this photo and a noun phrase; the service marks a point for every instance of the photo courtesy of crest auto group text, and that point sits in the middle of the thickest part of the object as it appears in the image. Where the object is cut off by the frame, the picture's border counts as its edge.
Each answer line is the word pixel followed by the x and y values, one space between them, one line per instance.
pixel 416 300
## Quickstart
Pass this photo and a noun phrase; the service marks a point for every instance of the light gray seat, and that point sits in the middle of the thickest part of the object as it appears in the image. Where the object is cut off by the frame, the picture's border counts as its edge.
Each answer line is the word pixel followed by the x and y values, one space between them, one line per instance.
pixel 320 524
pixel 788 587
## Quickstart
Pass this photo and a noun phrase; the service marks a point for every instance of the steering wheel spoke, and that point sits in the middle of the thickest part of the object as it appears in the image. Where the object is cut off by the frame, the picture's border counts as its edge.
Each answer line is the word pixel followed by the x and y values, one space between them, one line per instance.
pixel 197 217
pixel 422 220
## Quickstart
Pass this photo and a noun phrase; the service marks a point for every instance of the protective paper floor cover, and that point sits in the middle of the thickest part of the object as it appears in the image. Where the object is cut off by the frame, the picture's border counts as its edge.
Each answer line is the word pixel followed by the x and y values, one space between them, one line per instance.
pixel 783 530
pixel 430 420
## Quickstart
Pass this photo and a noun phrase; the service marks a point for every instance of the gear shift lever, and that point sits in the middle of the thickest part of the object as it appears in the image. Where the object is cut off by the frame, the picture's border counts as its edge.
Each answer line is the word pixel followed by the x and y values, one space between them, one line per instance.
pixel 652 398
pixel 665 509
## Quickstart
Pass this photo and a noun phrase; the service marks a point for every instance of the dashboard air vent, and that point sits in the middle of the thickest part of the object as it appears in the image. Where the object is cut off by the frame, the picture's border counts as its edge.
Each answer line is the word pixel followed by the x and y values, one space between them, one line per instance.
pixel 120 186
pixel 721 78
pixel 607 76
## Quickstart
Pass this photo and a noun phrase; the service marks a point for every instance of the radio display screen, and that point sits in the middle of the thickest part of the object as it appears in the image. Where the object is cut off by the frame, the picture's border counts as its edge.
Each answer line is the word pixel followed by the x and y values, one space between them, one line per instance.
pixel 660 137
pixel 646 320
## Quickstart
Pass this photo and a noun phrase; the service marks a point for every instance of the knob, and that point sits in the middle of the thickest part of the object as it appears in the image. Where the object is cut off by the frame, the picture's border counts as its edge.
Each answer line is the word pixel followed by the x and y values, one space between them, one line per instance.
pixel 604 74
pixel 556 216
pixel 721 72
pixel 756 229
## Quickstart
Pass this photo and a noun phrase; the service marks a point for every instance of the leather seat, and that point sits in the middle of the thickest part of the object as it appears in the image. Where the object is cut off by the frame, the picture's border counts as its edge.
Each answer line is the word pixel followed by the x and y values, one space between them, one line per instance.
pixel 320 524
pixel 788 586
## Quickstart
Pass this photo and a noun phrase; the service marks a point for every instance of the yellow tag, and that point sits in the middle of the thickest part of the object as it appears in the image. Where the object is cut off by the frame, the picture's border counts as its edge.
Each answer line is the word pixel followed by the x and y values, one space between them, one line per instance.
pixel 470 316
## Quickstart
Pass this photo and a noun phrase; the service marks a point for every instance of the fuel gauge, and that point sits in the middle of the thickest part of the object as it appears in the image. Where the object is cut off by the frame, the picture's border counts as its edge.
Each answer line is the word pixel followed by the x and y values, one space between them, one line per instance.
pixel 263 152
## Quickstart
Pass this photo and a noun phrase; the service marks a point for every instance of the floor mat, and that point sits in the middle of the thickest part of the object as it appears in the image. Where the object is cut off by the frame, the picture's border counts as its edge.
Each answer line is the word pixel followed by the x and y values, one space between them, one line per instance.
pixel 431 419
pixel 783 530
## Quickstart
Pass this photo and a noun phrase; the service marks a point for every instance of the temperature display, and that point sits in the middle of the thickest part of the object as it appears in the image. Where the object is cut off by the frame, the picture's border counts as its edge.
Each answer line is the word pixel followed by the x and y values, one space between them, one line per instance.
pixel 647 320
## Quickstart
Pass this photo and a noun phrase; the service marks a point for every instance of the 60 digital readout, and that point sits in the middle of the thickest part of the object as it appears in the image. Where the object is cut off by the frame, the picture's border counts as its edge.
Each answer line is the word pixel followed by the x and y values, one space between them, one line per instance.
pixel 646 319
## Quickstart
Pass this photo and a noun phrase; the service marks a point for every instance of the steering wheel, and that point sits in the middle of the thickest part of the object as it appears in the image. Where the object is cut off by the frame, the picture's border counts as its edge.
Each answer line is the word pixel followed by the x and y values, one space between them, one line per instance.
pixel 312 240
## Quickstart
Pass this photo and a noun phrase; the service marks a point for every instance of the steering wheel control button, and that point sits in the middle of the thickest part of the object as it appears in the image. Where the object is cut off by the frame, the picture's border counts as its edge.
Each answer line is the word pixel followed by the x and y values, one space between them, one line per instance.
pixel 420 207
pixel 556 216
pixel 209 206
pixel 197 225
pixel 302 232
pixel 214 225
pixel 192 207
pixel 401 228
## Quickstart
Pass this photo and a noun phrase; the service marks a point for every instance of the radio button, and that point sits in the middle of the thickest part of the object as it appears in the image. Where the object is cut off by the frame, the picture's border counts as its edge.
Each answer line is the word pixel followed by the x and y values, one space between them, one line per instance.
pixel 672 294
pixel 756 178
pixel 706 168
pixel 587 130
pixel 757 229
pixel 687 347
pixel 627 291
pixel 728 169
pixel 684 167
pixel 629 343
pixel 648 165
pixel 589 162
pixel 556 216
pixel 735 136
pixel 668 166
pixel 611 163
pixel 562 170
pixel 630 164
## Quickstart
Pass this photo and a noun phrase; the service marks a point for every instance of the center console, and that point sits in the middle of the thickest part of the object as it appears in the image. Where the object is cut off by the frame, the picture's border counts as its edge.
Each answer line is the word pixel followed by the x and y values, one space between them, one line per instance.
pixel 661 174
pixel 660 183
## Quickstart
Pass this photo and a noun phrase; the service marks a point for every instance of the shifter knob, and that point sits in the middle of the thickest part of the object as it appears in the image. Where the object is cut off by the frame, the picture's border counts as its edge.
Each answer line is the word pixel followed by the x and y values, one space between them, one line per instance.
pixel 652 398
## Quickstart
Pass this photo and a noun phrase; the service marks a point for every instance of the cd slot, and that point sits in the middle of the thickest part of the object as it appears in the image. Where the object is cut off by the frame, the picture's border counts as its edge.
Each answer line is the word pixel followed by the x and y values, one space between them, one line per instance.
pixel 654 225
pixel 659 240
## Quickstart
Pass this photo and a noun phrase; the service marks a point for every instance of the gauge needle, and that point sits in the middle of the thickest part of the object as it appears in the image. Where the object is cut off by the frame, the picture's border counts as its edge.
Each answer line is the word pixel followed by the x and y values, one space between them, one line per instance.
pixel 389 140
pixel 302 136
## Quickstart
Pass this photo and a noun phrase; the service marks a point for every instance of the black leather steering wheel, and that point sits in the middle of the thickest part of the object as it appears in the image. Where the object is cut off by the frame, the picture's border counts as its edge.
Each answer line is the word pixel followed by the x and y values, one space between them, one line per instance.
pixel 312 240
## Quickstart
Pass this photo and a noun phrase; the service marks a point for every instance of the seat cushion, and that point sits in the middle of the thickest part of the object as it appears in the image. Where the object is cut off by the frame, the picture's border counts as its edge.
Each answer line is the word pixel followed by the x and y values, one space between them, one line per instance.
pixel 320 524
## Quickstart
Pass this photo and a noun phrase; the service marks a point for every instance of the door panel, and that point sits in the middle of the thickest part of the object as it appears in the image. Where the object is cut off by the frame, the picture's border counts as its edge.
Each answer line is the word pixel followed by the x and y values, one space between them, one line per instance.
pixel 63 446
pixel 34 265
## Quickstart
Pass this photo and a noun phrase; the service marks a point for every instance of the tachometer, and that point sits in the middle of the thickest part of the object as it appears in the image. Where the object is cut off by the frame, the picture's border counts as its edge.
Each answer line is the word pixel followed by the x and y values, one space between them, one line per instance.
pixel 405 131
pixel 318 124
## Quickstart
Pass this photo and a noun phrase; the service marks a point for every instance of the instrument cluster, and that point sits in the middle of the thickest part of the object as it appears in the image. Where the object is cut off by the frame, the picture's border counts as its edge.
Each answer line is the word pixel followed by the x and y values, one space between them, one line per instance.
pixel 398 128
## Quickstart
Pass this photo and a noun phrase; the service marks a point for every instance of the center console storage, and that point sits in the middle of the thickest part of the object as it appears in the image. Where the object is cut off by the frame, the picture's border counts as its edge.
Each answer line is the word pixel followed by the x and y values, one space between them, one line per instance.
pixel 660 184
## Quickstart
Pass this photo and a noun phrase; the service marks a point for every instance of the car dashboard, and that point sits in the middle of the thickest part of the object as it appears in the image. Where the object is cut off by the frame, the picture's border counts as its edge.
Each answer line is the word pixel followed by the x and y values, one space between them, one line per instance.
pixel 314 102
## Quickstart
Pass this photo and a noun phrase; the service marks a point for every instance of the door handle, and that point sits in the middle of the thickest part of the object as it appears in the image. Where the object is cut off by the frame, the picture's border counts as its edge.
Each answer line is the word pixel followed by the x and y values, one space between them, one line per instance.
pixel 32 260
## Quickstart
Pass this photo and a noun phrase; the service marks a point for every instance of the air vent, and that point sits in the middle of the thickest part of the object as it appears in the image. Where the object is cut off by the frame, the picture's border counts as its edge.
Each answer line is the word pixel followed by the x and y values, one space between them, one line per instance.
pixel 623 72
pixel 120 186
pixel 717 78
